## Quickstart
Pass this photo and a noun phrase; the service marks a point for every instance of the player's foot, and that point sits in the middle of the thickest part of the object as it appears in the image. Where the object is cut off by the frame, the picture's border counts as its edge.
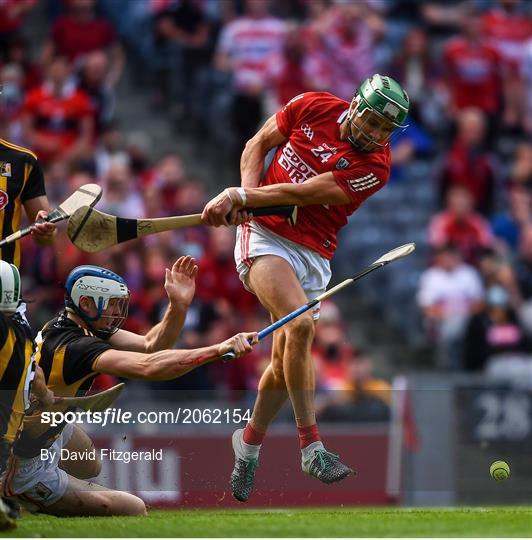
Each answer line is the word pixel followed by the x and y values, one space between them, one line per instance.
pixel 14 508
pixel 246 461
pixel 6 521
pixel 324 465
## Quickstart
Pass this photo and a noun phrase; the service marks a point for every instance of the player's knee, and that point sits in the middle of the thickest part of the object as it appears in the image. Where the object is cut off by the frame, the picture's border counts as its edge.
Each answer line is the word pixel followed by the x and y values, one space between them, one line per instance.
pixel 277 368
pixel 124 504
pixel 135 507
pixel 302 328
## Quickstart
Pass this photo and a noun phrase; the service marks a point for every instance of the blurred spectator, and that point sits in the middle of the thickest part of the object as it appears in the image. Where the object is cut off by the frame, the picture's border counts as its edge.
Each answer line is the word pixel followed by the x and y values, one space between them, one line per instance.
pixel 364 397
pixel 18 53
pixel 526 74
pixel 11 19
pixel 119 198
pixel 468 164
pixel 181 48
pixel 244 50
pixel 331 351
pixel 57 117
pixel 139 148
pixel 508 26
pixel 494 335
pixel 460 225
pixel 81 31
pixel 349 33
pixel 473 69
pixel 496 271
pixel 438 15
pixel 414 67
pixel 447 295
pixel 217 280
pixel 507 225
pixel 288 71
pixel 523 271
pixel 110 146
pixel 167 178
pixel 11 100
pixel 521 168
pixel 407 145
pixel 93 80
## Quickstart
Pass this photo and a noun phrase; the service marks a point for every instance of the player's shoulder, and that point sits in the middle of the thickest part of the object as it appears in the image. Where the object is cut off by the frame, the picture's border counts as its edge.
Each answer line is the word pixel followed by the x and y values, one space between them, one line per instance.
pixel 317 104
pixel 324 98
pixel 8 150
pixel 62 331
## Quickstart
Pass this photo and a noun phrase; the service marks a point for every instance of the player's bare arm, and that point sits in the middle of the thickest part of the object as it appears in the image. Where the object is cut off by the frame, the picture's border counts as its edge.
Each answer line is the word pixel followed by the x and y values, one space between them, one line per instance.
pixel 169 364
pixel 252 160
pixel 180 286
pixel 41 397
pixel 223 209
pixel 37 209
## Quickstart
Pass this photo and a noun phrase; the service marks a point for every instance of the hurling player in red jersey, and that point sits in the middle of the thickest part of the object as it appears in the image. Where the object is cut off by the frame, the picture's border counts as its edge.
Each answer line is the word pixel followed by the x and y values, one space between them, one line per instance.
pixel 330 156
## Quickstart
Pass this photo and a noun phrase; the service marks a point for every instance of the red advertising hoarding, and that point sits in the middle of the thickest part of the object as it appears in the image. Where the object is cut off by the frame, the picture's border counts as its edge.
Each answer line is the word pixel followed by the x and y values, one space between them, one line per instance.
pixel 193 470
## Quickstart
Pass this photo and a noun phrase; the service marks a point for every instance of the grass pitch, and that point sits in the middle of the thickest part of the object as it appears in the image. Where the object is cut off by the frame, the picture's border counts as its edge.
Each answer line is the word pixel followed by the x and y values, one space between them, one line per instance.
pixel 373 522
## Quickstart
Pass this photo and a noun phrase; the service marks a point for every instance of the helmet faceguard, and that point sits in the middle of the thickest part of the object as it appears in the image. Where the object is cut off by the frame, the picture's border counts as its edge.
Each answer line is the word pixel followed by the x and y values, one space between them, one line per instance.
pixel 107 290
pixel 380 107
pixel 9 287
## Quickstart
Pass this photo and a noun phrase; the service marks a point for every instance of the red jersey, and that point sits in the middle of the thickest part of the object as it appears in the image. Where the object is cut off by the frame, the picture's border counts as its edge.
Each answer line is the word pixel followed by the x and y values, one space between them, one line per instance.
pixel 508 33
pixel 473 74
pixel 74 38
pixel 311 122
pixel 57 117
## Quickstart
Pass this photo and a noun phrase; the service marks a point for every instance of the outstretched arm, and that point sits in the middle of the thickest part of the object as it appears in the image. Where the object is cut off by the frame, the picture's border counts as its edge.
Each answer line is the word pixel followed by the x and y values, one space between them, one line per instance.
pixel 169 364
pixel 180 285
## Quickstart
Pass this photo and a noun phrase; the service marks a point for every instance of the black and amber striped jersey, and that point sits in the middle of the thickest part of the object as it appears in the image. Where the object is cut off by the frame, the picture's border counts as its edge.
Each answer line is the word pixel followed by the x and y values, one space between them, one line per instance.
pixel 21 179
pixel 16 350
pixel 66 352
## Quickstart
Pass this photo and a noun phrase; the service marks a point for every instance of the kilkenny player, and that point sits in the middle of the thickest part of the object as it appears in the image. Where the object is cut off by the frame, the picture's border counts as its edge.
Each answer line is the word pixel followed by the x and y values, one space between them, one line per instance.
pixel 83 341
pixel 21 184
pixel 17 370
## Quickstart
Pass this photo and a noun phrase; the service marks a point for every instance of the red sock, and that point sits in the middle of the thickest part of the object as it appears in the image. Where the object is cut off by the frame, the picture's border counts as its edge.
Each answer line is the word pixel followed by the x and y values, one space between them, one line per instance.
pixel 252 436
pixel 308 435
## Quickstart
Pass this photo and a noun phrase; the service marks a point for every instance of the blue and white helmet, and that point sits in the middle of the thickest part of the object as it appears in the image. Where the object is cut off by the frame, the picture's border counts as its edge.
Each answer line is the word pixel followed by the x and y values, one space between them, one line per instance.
pixel 9 287
pixel 101 285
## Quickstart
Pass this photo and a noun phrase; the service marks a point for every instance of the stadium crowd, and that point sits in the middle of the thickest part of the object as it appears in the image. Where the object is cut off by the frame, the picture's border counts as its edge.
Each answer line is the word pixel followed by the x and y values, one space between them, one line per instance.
pixel 219 68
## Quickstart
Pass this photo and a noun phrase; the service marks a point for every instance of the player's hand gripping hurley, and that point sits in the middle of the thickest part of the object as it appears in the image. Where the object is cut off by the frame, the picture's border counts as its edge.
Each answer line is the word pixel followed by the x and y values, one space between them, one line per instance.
pixel 87 195
pixel 393 255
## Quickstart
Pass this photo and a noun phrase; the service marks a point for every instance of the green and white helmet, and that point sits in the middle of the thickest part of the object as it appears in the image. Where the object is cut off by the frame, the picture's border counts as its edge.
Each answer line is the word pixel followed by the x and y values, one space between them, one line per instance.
pixel 9 286
pixel 379 107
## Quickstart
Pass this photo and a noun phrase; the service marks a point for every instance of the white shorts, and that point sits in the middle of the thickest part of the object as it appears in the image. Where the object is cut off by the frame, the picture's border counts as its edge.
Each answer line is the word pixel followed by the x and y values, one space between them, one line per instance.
pixel 312 270
pixel 36 483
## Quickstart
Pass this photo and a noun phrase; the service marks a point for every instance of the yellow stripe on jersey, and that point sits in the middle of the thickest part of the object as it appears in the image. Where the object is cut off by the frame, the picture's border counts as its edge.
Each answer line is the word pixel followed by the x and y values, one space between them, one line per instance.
pixel 56 382
pixel 19 405
pixel 3 187
pixel 17 147
pixel 6 352
pixel 17 213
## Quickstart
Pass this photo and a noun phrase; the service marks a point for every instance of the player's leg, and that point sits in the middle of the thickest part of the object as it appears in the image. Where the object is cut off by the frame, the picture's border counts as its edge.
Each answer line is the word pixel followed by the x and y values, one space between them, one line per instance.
pixel 83 498
pixel 80 442
pixel 247 442
pixel 278 288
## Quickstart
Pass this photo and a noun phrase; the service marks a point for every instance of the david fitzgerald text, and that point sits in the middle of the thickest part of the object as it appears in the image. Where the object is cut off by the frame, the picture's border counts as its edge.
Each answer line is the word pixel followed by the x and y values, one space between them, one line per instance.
pixel 104 454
